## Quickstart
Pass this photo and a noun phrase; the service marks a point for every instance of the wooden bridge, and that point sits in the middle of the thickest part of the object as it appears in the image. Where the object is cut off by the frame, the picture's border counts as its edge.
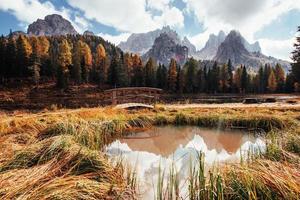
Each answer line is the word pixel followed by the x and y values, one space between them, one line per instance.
pixel 133 97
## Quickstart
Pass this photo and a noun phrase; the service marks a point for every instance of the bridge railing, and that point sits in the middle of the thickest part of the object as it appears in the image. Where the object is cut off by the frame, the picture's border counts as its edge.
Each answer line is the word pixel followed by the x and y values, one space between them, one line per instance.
pixel 146 95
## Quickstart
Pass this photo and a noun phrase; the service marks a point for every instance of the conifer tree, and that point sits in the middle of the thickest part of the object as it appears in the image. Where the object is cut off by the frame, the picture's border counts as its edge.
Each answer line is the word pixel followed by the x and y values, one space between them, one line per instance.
pixel 3 68
pixel 213 76
pixel 172 76
pixel 35 60
pixel 137 78
pixel 64 60
pixel 150 73
pixel 190 78
pixel 128 63
pixel 224 79
pixel 261 82
pixel 230 75
pixel 280 77
pixel 180 80
pixel 244 80
pixel 114 70
pixel 123 80
pixel 10 57
pixel 272 84
pixel 296 59
pixel 24 51
pixel 100 67
pixel 237 79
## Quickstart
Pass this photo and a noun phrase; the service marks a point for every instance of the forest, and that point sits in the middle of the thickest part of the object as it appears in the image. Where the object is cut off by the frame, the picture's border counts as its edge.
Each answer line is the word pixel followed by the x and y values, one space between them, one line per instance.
pixel 80 59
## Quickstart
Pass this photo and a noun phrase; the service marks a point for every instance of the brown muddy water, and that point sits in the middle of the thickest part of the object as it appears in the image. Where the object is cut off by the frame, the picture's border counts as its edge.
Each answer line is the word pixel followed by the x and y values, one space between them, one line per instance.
pixel 178 146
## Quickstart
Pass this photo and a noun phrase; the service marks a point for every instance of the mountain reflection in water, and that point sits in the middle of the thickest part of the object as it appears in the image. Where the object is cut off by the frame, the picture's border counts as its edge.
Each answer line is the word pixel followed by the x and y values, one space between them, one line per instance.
pixel 179 145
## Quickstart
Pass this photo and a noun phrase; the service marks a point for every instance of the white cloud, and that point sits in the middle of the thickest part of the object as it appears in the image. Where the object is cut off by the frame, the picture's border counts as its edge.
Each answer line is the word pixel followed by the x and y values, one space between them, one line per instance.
pixel 130 15
pixel 278 48
pixel 115 39
pixel 28 11
pixel 246 16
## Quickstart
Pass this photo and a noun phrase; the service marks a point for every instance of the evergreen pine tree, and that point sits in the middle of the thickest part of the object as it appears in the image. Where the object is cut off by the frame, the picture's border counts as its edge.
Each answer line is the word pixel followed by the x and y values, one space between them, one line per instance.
pixel 296 59
pixel 214 78
pixel 150 73
pixel 114 70
pixel 10 57
pixel 230 75
pixel 190 78
pixel 35 61
pixel 24 51
pixel 3 68
pixel 244 80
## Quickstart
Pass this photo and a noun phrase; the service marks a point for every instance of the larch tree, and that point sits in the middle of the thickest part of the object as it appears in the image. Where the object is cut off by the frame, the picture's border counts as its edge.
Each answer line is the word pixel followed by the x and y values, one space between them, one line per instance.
pixel 100 67
pixel 82 62
pixel 128 63
pixel 64 61
pixel 24 51
pixel 224 79
pixel 172 76
pixel 272 83
pixel 137 72
pixel 237 79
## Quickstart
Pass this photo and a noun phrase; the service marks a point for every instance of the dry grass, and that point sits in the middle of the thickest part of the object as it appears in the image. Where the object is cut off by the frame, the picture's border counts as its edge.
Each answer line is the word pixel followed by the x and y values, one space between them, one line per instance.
pixel 57 154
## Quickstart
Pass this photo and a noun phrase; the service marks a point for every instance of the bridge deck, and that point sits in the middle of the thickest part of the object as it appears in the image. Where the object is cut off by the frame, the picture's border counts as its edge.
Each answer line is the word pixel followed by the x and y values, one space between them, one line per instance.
pixel 133 105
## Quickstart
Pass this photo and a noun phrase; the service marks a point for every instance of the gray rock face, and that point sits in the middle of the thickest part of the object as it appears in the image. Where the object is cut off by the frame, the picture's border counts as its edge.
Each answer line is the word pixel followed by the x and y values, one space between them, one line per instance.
pixel 233 48
pixel 51 25
pixel 89 33
pixel 209 51
pixel 165 48
pixel 142 42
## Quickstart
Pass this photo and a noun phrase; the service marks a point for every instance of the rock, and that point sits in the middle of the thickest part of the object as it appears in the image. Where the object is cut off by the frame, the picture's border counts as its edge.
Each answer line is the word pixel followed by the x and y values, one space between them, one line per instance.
pixel 233 48
pixel 87 32
pixel 209 51
pixel 142 42
pixel 165 48
pixel 51 25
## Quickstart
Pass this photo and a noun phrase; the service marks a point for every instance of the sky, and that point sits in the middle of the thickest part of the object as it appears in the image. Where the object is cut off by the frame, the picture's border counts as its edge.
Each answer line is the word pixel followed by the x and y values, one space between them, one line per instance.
pixel 271 22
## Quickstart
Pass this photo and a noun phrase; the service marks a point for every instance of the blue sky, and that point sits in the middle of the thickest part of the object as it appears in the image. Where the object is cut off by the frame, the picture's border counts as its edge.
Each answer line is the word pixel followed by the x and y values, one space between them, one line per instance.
pixel 271 22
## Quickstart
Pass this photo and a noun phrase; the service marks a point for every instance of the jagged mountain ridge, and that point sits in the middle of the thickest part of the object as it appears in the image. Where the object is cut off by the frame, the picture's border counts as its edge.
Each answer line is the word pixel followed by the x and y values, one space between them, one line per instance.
pixel 210 49
pixel 51 25
pixel 234 48
pixel 165 48
pixel 141 43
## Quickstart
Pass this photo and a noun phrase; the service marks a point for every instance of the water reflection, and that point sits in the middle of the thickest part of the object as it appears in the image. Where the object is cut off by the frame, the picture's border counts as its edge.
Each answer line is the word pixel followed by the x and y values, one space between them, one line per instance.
pixel 179 145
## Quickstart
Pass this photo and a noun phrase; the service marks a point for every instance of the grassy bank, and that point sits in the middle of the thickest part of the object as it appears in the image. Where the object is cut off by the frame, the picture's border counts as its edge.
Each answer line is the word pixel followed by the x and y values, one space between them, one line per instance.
pixel 58 154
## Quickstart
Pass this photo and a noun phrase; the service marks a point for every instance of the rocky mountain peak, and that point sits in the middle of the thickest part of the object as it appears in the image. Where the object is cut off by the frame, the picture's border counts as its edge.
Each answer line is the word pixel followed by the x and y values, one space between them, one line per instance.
pixel 51 25
pixel 165 48
pixel 211 47
pixel 89 33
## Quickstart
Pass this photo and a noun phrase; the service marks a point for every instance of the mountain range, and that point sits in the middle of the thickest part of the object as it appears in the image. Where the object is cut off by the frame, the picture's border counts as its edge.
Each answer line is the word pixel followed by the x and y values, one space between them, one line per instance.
pixel 164 44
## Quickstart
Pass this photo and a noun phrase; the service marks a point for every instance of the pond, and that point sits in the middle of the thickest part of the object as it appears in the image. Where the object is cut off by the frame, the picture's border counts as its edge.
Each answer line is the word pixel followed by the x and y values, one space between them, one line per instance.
pixel 163 147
